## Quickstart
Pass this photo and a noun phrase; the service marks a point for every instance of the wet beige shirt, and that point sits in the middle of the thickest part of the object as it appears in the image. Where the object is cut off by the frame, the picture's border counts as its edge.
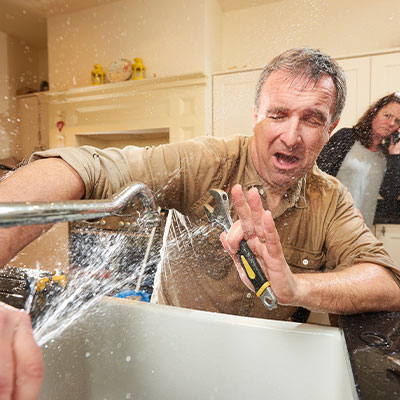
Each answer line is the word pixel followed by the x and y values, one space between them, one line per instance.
pixel 317 226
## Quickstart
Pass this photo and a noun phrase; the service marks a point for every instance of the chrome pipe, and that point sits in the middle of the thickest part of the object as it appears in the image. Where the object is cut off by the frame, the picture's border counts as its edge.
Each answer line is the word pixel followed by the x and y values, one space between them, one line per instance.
pixel 37 213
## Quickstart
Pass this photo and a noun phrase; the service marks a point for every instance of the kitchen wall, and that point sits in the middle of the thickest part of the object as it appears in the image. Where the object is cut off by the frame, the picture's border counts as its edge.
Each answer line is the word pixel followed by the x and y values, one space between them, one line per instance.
pixel 253 36
pixel 184 36
pixel 173 37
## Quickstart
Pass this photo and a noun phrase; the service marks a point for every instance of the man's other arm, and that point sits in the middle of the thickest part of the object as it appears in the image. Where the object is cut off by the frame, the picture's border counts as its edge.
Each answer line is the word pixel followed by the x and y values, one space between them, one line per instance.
pixel 360 288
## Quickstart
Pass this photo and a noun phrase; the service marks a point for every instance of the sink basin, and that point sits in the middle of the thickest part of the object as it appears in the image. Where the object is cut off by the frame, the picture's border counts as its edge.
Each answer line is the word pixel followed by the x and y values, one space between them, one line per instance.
pixel 124 349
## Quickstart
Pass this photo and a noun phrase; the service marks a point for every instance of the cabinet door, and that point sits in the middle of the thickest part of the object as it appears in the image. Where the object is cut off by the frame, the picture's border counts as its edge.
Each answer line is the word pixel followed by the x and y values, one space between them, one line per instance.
pixel 32 115
pixel 385 75
pixel 389 235
pixel 28 114
pixel 233 100
pixel 357 72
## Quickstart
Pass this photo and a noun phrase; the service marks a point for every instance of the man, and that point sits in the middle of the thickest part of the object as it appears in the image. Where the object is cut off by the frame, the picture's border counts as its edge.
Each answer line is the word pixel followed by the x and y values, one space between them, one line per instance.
pixel 310 225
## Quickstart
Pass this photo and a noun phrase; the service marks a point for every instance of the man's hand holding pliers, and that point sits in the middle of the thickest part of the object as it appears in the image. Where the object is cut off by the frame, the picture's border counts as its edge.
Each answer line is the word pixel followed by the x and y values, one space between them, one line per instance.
pixel 256 226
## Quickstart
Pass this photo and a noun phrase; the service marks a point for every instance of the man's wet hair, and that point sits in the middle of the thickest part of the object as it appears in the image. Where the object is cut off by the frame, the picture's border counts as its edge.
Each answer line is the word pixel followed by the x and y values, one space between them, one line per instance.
pixel 309 62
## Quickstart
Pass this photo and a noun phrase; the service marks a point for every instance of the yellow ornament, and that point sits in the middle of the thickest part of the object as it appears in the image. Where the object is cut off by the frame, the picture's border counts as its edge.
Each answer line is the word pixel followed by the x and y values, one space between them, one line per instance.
pixel 97 75
pixel 138 69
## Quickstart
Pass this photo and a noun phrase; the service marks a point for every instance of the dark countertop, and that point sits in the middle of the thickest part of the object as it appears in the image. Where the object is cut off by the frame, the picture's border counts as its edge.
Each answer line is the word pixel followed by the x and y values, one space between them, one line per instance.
pixel 373 344
pixel 387 213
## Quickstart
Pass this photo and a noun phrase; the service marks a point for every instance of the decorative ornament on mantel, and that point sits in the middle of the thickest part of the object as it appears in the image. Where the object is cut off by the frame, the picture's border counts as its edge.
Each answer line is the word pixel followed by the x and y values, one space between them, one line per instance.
pixel 119 70
pixel 97 75
pixel 138 69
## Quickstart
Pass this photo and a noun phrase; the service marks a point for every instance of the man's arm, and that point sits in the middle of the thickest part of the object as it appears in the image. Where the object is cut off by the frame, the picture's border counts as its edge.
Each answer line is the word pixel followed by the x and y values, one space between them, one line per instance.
pixel 43 180
pixel 360 288
pixel 21 366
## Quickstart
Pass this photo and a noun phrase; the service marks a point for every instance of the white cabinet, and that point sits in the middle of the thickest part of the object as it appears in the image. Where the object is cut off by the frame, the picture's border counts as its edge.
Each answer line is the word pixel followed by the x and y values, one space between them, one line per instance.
pixel 32 123
pixel 358 71
pixel 233 101
pixel 369 78
pixel 385 75
pixel 389 235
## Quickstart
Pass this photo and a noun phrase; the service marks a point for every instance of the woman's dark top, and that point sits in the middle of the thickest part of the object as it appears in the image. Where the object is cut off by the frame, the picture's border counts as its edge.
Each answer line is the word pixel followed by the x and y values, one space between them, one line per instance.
pixel 335 151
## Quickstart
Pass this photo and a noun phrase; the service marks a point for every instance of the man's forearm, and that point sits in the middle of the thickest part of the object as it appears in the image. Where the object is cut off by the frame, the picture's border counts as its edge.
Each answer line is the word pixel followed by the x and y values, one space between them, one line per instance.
pixel 361 288
pixel 44 180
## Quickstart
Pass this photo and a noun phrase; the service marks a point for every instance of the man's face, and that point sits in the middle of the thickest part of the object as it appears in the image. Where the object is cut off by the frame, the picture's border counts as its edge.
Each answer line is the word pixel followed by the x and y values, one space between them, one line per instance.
pixel 291 125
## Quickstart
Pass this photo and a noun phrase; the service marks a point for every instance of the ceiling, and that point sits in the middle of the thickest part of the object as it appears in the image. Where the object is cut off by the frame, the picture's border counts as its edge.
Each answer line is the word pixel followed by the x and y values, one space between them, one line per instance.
pixel 229 5
pixel 26 19
pixel 45 8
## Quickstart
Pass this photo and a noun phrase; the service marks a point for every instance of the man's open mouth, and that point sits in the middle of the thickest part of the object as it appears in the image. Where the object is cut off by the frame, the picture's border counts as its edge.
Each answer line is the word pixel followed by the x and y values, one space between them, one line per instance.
pixel 284 159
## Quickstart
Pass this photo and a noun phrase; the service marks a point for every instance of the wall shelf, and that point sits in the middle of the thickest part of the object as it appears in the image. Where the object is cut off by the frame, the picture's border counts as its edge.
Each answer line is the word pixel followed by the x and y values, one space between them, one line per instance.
pixel 139 137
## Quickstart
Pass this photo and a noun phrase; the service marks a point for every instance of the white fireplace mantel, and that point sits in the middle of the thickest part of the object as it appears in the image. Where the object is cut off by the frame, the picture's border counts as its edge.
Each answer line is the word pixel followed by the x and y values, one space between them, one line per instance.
pixel 177 106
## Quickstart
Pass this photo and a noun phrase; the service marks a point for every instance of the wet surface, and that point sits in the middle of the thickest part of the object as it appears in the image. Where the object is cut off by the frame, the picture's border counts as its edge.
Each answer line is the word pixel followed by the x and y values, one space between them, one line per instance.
pixel 373 344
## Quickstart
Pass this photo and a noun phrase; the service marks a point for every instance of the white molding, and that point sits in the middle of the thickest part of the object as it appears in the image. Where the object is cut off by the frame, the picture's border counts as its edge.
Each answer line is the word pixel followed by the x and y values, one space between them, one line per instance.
pixel 127 87
pixel 176 105
pixel 337 57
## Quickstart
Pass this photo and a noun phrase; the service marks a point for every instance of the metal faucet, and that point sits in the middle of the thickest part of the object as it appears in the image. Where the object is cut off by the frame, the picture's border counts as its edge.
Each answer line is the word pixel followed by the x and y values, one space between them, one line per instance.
pixel 36 213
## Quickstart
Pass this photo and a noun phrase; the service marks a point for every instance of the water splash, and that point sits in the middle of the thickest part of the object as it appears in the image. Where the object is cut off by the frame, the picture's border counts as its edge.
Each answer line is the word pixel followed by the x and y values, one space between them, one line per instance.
pixel 98 270
pixel 32 280
pixel 98 276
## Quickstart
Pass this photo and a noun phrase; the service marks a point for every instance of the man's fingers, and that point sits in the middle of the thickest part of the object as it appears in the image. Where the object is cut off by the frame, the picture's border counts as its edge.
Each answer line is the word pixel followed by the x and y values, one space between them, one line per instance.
pixel 231 239
pixel 257 210
pixel 242 274
pixel 8 322
pixel 244 212
pixel 29 369
pixel 21 365
pixel 272 240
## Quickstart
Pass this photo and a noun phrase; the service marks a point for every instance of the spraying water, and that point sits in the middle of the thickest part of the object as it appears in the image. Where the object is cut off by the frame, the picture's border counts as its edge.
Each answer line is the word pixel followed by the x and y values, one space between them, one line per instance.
pixel 99 272
pixel 111 263
pixel 87 285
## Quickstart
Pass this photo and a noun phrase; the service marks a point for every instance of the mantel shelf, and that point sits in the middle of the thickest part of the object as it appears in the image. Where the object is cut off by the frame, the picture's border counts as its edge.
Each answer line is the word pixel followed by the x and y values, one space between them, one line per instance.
pixel 111 138
pixel 140 112
pixel 130 85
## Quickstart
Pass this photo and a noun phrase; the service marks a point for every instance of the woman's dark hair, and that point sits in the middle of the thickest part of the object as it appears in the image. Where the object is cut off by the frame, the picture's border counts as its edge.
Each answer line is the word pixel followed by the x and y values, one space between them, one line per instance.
pixel 363 128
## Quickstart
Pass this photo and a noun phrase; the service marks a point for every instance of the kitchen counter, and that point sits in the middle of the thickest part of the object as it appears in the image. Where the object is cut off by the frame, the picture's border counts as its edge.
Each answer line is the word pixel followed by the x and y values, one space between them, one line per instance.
pixel 387 213
pixel 372 341
pixel 373 344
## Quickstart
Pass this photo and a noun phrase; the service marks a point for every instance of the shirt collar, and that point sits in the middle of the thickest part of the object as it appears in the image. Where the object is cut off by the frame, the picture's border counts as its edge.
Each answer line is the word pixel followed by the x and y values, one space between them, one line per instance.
pixel 294 196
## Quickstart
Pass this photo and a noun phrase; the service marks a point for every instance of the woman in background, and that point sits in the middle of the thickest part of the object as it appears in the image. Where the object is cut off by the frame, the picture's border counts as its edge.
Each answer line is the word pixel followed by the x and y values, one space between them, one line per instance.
pixel 366 158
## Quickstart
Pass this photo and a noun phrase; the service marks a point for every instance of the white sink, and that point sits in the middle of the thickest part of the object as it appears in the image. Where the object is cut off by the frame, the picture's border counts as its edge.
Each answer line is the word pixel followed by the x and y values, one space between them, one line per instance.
pixel 125 349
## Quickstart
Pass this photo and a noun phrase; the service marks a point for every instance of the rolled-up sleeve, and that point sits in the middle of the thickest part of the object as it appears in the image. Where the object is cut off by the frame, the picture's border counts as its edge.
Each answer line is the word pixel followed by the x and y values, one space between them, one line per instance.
pixel 178 174
pixel 350 242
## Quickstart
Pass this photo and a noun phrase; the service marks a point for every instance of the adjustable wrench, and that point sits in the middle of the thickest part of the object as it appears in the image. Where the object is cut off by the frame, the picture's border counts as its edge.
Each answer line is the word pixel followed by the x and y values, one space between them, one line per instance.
pixel 220 215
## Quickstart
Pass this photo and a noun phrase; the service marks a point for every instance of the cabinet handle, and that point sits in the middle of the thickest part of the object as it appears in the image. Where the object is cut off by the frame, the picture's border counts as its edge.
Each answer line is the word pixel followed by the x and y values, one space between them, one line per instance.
pixel 383 230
